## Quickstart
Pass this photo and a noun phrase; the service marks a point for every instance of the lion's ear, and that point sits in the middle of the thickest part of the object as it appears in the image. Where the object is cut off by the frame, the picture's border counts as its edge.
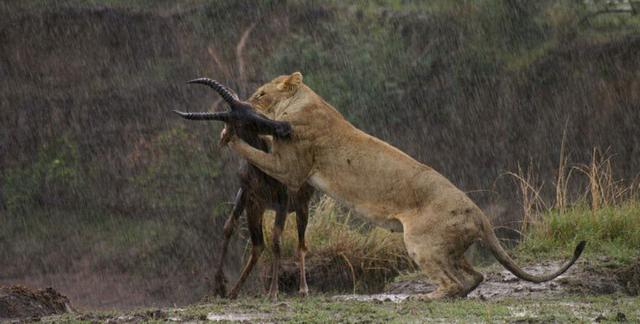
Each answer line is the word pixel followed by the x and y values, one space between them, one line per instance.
pixel 293 82
pixel 295 79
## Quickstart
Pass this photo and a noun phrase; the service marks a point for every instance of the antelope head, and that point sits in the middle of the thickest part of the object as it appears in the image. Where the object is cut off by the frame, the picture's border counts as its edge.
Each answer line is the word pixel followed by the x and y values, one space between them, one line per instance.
pixel 241 113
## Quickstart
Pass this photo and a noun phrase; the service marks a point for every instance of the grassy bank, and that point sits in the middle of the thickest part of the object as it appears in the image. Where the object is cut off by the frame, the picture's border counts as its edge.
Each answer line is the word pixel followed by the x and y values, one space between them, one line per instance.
pixel 612 231
pixel 590 204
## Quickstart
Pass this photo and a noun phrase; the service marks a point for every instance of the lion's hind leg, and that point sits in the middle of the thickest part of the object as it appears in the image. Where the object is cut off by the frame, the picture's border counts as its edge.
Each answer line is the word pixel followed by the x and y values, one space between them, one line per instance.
pixel 473 278
pixel 438 248
pixel 437 263
pixel 445 276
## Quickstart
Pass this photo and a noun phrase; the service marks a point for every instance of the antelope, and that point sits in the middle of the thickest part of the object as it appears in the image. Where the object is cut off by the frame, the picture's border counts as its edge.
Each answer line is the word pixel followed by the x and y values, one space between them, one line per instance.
pixel 258 192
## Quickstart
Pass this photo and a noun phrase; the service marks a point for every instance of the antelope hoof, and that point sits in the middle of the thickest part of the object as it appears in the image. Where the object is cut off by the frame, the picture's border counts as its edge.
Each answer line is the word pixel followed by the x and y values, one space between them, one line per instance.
pixel 233 295
pixel 273 296
pixel 219 288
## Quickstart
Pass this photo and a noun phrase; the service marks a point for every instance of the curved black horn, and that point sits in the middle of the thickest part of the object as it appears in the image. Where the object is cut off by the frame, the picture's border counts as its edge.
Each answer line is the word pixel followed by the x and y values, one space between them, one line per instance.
pixel 228 95
pixel 223 116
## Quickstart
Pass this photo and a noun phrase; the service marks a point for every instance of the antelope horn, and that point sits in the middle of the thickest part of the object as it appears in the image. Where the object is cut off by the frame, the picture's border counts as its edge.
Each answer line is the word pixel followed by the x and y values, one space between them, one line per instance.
pixel 228 95
pixel 223 116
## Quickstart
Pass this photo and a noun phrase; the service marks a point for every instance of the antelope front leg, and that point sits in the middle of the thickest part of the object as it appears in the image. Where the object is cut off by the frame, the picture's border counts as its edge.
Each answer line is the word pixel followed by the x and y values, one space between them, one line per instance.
pixel 278 228
pixel 302 216
pixel 229 227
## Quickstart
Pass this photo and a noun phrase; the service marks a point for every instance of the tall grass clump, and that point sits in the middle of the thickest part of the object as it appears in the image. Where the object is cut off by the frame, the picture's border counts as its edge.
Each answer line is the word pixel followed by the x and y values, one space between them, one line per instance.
pixel 605 211
pixel 344 253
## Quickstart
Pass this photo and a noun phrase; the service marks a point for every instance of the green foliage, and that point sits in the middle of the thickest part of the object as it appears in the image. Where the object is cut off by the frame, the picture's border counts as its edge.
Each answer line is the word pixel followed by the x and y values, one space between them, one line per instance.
pixel 35 5
pixel 367 59
pixel 177 171
pixel 613 231
pixel 53 177
pixel 385 63
pixel 52 241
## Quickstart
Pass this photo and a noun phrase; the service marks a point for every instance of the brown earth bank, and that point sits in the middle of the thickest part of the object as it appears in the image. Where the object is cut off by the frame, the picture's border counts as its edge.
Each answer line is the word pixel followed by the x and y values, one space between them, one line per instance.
pixel 107 291
pixel 28 303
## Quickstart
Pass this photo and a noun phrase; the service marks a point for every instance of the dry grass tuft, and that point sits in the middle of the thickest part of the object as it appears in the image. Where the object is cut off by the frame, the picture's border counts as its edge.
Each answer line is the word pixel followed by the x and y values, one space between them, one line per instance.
pixel 345 252
pixel 604 190
pixel 532 202
pixel 606 212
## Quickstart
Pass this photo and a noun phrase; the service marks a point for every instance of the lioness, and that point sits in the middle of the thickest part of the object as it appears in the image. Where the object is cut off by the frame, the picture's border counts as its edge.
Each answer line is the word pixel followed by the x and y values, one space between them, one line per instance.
pixel 380 182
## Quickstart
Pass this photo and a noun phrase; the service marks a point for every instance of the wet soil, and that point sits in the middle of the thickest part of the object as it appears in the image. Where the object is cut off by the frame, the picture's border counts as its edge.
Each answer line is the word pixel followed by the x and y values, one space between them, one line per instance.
pixel 500 287
pixel 499 283
pixel 22 302
pixel 629 278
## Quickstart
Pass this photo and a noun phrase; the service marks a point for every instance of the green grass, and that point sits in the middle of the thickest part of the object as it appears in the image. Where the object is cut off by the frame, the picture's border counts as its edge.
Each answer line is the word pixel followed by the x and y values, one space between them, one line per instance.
pixel 324 309
pixel 144 5
pixel 54 241
pixel 612 231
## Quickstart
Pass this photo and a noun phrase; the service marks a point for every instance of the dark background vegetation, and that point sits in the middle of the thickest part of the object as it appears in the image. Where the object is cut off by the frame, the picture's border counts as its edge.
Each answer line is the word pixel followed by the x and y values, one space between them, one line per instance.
pixel 106 194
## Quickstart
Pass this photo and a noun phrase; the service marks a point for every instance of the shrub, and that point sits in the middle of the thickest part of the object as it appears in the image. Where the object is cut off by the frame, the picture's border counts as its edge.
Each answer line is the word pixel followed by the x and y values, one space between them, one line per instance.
pixel 54 178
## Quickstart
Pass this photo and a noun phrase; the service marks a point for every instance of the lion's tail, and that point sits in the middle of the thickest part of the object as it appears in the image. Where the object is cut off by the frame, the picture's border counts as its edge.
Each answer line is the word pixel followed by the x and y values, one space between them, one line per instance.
pixel 501 255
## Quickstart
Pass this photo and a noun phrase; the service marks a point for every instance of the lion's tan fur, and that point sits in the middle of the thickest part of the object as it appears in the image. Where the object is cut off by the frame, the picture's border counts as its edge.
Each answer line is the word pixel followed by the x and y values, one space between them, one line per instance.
pixel 376 179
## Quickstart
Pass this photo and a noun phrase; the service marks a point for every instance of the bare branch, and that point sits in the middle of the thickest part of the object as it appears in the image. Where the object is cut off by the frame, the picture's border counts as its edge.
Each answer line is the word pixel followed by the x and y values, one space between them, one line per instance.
pixel 239 51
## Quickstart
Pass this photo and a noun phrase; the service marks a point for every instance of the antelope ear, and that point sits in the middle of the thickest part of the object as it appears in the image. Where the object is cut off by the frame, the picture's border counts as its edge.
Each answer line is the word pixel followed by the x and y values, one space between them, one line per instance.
pixel 293 82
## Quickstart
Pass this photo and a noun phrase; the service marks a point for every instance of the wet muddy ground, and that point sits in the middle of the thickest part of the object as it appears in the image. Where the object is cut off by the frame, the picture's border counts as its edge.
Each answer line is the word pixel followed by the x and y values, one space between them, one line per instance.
pixel 327 309
pixel 500 283
pixel 585 293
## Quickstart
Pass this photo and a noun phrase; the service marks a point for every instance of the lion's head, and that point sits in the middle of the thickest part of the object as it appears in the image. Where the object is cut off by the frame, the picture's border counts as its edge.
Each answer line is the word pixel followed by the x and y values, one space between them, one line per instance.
pixel 275 91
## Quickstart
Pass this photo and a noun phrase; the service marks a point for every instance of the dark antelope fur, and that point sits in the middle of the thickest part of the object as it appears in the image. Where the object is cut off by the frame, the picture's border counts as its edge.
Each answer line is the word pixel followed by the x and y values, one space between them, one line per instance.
pixel 258 192
pixel 241 114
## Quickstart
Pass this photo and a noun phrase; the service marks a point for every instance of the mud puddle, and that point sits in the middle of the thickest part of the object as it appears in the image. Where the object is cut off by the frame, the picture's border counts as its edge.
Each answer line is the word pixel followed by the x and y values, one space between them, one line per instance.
pixel 238 317
pixel 502 284
pixel 396 298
